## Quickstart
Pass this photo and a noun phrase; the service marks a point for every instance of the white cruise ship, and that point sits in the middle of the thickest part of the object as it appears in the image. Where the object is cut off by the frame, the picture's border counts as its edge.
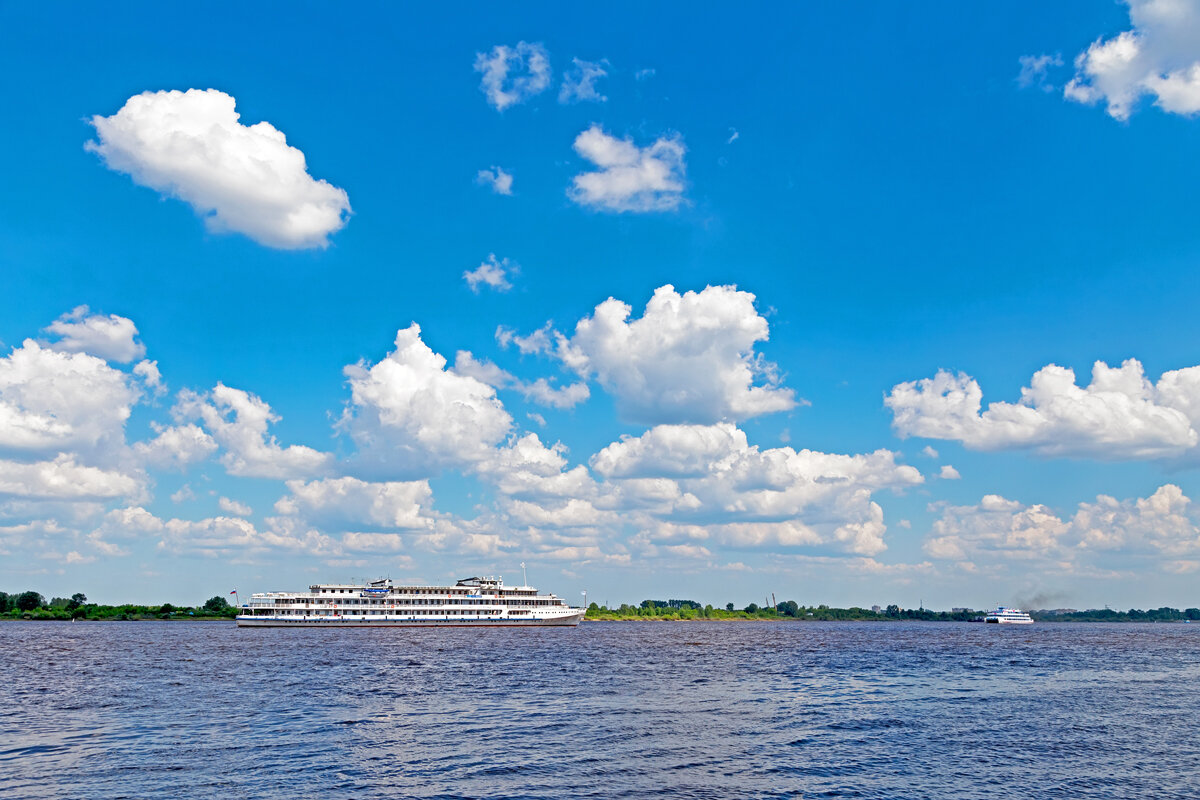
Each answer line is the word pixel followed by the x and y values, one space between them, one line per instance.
pixel 1008 616
pixel 471 602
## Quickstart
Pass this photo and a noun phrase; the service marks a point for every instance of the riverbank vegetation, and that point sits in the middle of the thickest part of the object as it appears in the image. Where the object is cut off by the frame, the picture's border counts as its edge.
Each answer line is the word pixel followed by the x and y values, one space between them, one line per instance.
pixel 651 610
pixel 788 609
pixel 32 605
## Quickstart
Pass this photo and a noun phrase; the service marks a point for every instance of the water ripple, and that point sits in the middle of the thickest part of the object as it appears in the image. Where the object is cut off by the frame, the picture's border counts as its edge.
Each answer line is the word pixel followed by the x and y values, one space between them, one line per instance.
pixel 607 710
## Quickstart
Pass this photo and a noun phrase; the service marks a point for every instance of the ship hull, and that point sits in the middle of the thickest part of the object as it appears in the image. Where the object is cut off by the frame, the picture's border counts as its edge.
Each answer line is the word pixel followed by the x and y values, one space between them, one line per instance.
pixel 569 620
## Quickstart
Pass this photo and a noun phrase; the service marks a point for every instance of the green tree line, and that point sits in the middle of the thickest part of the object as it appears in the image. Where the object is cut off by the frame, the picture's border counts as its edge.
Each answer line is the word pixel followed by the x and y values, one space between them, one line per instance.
pixel 790 609
pixel 32 605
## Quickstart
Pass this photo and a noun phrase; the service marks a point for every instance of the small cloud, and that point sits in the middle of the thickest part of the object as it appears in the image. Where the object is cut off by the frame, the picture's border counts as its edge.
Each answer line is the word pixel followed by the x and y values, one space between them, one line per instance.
pixel 492 272
pixel 579 84
pixel 540 341
pixel 185 493
pixel 644 74
pixel 109 337
pixel 533 416
pixel 234 507
pixel 512 75
pixel 1034 71
pixel 949 473
pixel 148 371
pixel 629 178
pixel 929 452
pixel 733 136
pixel 500 181
pixel 907 525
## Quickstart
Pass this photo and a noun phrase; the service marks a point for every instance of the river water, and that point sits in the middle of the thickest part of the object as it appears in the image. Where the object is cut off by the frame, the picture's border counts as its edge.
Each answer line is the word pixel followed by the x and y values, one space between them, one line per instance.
pixel 606 710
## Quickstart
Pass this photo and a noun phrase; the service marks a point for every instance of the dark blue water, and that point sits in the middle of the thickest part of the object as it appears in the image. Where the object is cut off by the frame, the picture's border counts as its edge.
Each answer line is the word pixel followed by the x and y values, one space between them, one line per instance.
pixel 608 710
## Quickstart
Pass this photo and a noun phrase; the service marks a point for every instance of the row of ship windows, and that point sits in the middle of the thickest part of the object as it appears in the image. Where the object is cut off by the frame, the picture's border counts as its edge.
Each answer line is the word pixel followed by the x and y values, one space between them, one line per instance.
pixel 410 612
pixel 427 602
pixel 420 591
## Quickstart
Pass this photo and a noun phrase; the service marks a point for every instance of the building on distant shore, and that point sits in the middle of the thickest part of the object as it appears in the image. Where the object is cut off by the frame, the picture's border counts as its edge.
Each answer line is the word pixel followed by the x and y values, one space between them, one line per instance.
pixel 876 609
pixel 957 610
pixel 1060 611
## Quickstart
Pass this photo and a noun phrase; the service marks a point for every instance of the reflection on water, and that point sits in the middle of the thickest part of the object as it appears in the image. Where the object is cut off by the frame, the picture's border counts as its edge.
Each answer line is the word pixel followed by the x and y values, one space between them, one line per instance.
pixel 690 710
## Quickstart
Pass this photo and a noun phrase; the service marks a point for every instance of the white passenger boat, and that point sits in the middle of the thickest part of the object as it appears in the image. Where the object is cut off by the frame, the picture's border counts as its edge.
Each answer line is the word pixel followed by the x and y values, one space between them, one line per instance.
pixel 1008 616
pixel 472 602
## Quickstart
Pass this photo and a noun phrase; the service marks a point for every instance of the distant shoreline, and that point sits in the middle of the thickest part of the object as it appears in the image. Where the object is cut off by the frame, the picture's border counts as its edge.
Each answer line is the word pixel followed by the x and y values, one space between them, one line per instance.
pixel 789 620
pixel 30 606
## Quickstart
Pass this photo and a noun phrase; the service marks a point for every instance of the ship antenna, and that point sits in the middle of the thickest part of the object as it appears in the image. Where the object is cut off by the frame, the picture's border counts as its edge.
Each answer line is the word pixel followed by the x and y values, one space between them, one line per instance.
pixel 524 577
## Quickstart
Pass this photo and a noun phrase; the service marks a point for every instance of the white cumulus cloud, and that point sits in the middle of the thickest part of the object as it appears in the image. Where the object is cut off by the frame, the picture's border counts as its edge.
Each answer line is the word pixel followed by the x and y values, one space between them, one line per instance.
pixel 491 272
pixel 111 337
pixel 64 478
pixel 541 391
pixel 1162 525
pixel 579 84
pixel 238 421
pixel 53 402
pixel 1159 56
pixel 350 504
pixel 148 371
pixel 246 179
pixel 176 447
pixel 1120 415
pixel 688 358
pixel 512 75
pixel 409 415
pixel 234 507
pixel 703 482
pixel 224 537
pixel 500 181
pixel 629 178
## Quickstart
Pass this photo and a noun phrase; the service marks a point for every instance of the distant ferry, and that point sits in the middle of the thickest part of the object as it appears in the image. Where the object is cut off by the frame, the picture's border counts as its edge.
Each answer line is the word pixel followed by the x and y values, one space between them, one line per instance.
pixel 472 602
pixel 1008 616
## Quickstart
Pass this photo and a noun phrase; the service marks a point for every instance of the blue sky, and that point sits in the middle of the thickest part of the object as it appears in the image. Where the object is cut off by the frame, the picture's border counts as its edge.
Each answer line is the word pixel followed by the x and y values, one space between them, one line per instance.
pixel 857 197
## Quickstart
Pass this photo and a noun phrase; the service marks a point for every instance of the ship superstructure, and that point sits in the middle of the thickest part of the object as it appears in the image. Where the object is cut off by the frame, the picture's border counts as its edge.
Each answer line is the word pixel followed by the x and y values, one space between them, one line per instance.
pixel 1008 616
pixel 471 602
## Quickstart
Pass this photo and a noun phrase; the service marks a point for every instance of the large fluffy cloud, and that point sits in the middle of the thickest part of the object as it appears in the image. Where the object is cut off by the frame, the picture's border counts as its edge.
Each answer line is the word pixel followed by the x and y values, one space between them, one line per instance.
pixel 191 145
pixel 996 529
pixel 238 421
pixel 1159 56
pixel 688 358
pixel 681 489
pixel 713 483
pixel 63 478
pixel 53 402
pixel 237 538
pixel 629 178
pixel 111 337
pixel 177 446
pixel 512 75
pixel 350 504
pixel 411 416
pixel 1120 415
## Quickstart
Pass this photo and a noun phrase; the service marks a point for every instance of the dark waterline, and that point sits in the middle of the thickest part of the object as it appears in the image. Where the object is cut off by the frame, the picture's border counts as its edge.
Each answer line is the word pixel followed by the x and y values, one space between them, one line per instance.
pixel 606 710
